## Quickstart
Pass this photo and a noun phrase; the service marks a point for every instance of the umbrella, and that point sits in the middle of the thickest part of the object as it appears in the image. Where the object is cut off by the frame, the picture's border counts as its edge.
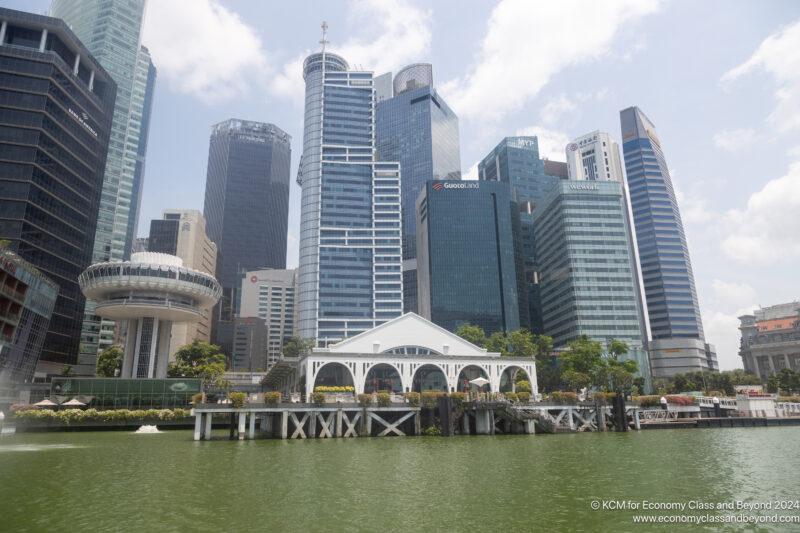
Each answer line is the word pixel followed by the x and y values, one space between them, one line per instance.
pixel 46 403
pixel 74 402
pixel 479 381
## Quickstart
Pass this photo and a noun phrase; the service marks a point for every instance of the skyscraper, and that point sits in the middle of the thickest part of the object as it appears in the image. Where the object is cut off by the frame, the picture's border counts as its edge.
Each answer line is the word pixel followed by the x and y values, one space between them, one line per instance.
pixel 111 30
pixel 246 209
pixel 268 296
pixel 182 232
pixel 56 113
pixel 516 162
pixel 350 277
pixel 676 327
pixel 469 254
pixel 415 126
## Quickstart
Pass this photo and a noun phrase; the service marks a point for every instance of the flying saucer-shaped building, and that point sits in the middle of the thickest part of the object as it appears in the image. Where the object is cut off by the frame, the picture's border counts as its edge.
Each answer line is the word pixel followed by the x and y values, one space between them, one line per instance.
pixel 150 292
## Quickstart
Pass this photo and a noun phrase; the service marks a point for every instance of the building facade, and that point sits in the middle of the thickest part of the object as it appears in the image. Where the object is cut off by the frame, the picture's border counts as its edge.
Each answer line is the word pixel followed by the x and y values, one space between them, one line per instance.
pixel 588 279
pixel 771 339
pixel 111 30
pixel 246 209
pixel 669 287
pixel 350 267
pixel 269 296
pixel 415 126
pixel 249 345
pixel 183 233
pixel 516 162
pixel 27 299
pixel 56 110
pixel 471 268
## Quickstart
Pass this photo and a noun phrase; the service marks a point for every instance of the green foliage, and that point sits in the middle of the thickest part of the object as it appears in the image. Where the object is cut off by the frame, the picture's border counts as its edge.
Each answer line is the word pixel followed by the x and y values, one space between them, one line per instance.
pixel 109 361
pixel 318 397
pixel 563 397
pixel 384 399
pixel 521 343
pixel 789 399
pixel 473 334
pixel 198 398
pixel 200 360
pixel 429 399
pixel 296 346
pixel 458 399
pixel 238 399
pixel 67 370
pixel 365 399
pixel 542 346
pixel 413 398
pixel 576 380
pixel 523 386
pixel 69 416
pixel 272 397
pixel 432 431
pixel 498 343
pixel 524 397
pixel 511 397
pixel 324 388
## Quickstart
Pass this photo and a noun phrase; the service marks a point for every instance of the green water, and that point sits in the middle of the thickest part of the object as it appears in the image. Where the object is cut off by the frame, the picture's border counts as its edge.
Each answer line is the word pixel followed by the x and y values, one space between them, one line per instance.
pixel 120 481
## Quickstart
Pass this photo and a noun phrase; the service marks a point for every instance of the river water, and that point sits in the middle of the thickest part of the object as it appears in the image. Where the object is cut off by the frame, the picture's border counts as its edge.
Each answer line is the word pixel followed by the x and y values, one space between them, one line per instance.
pixel 121 481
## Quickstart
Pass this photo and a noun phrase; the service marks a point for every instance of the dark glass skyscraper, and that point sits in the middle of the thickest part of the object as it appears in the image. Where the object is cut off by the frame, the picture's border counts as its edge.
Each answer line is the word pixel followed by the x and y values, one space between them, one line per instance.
pixel 246 208
pixel 469 256
pixel 56 104
pixel 415 126
pixel 516 162
pixel 664 256
pixel 349 278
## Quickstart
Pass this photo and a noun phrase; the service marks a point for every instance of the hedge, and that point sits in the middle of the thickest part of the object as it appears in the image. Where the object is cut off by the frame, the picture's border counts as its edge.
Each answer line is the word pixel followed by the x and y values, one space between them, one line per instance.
pixel 413 398
pixel 238 399
pixel 93 415
pixel 365 399
pixel 272 397
pixel 318 397
pixel 334 389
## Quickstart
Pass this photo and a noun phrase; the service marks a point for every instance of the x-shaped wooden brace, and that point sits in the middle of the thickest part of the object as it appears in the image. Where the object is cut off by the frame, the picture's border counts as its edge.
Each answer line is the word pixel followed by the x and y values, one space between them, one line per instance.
pixel 351 426
pixel 585 422
pixel 325 432
pixel 298 424
pixel 393 426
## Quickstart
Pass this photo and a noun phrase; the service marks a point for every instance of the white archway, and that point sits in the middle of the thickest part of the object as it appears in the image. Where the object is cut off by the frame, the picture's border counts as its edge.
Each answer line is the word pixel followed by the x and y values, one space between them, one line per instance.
pixel 395 382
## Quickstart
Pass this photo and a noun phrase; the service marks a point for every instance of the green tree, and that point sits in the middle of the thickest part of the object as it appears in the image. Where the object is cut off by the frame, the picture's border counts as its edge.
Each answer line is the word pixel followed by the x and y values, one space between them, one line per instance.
pixel 584 356
pixel 109 362
pixel 789 380
pixel 473 334
pixel 542 346
pixel 199 360
pixel 67 370
pixel 296 346
pixel 497 342
pixel 680 383
pixel 521 343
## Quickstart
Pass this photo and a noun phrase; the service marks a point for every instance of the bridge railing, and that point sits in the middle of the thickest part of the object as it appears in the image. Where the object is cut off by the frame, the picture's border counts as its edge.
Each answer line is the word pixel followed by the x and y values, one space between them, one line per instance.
pixel 725 403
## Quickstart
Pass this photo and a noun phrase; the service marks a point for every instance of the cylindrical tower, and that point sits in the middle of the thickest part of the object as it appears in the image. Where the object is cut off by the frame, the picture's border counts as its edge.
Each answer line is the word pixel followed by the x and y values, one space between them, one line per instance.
pixel 413 77
pixel 309 178
pixel 150 292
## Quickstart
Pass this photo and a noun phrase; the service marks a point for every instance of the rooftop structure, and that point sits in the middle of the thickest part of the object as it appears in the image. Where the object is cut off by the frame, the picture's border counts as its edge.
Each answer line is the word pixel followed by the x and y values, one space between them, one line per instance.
pixel 771 339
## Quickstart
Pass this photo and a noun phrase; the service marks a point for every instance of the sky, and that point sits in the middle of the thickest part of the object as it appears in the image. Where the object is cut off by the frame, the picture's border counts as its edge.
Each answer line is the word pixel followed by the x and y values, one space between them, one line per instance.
pixel 720 80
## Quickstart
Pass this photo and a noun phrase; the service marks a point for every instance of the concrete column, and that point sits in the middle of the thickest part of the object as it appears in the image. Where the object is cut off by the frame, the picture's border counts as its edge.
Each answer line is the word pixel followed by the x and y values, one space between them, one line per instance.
pixel 636 425
pixel 207 433
pixel 529 427
pixel 465 424
pixel 369 423
pixel 252 434
pixel 198 425
pixel 482 422
pixel 43 42
pixel 91 80
pixel 571 419
pixel 312 425
pixel 284 424
pixel 339 423
pixel 417 423
pixel 3 28
pixel 242 417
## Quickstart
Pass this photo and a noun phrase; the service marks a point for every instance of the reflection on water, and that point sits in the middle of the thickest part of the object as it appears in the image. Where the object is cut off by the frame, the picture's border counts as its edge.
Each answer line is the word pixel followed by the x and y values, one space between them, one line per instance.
pixel 35 447
pixel 511 483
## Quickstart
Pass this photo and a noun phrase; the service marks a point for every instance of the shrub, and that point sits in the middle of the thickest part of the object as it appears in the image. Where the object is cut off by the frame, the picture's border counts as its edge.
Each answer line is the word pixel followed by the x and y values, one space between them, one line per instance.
pixel 429 399
pixel 458 399
pixel 675 399
pixel 789 399
pixel 432 431
pixel 324 388
pixel 511 396
pixel 197 398
pixel 21 407
pixel 384 399
pixel 365 399
pixel 524 397
pixel 563 397
pixel 523 386
pixel 238 399
pixel 272 397
pixel 413 398
pixel 318 397
pixel 600 396
pixel 650 401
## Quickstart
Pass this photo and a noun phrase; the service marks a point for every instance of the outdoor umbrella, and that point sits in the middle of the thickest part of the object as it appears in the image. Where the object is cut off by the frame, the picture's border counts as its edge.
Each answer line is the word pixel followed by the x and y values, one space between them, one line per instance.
pixel 46 403
pixel 74 403
pixel 479 381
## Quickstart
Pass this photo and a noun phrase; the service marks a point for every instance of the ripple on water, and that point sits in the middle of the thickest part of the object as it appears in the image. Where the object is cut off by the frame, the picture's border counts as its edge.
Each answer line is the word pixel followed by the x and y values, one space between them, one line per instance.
pixel 36 447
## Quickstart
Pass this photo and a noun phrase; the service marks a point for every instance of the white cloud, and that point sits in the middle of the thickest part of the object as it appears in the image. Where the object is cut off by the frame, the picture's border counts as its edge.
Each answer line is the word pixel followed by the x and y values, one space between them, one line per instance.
pixel 528 42
pixel 397 34
pixel 551 143
pixel 732 140
pixel 693 206
pixel 203 49
pixel 765 231
pixel 722 327
pixel 472 173
pixel 732 295
pixel 779 55
pixel 553 109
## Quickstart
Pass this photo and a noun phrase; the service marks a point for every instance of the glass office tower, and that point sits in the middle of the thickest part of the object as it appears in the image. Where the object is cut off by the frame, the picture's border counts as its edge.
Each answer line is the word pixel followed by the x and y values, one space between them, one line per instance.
pixel 675 322
pixel 469 255
pixel 246 209
pixel 56 110
pixel 111 30
pixel 415 126
pixel 350 277
pixel 516 162
pixel 588 268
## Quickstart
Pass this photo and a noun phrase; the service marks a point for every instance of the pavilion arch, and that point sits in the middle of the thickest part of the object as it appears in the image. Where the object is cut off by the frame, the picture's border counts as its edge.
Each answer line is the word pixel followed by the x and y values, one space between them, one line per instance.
pixel 467 374
pixel 383 376
pixel 508 377
pixel 333 374
pixel 430 376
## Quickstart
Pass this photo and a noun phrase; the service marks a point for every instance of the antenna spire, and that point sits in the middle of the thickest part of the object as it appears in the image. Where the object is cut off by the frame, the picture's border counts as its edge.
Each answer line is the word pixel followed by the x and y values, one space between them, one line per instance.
pixel 324 41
